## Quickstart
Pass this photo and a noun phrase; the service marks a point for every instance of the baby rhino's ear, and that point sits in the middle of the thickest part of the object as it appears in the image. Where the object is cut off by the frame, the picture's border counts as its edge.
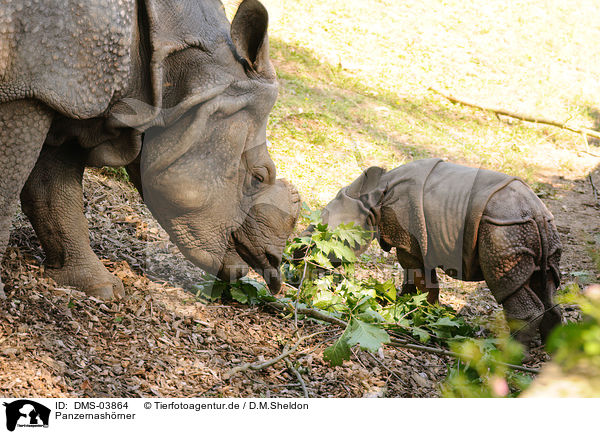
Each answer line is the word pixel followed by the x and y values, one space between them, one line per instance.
pixel 357 202
pixel 368 187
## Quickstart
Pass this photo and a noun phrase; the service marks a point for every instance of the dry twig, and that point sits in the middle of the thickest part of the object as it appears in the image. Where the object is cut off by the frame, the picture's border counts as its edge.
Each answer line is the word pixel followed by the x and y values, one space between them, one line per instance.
pixel 384 366
pixel 521 116
pixel 313 313
pixel 594 189
pixel 271 362
pixel 291 368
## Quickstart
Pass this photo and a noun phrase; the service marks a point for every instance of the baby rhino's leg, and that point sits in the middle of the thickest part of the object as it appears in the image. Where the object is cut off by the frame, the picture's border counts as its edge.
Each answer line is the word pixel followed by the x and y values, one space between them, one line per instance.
pixel 415 277
pixel 524 312
pixel 546 290
pixel 552 316
pixel 508 262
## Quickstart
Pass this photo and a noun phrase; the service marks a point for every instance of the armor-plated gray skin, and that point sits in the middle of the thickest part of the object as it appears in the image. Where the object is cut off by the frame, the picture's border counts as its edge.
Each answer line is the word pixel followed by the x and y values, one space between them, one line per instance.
pixel 168 88
pixel 475 224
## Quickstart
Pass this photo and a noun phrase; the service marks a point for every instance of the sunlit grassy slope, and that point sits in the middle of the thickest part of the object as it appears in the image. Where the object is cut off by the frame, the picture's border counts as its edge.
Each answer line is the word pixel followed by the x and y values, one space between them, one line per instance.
pixel 355 74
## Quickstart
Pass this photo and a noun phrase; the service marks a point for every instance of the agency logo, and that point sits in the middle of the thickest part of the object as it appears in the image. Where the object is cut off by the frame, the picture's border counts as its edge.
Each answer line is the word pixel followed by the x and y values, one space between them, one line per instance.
pixel 24 413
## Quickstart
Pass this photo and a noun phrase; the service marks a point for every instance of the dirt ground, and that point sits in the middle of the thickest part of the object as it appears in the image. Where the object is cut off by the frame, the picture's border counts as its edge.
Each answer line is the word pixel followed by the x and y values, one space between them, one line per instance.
pixel 161 341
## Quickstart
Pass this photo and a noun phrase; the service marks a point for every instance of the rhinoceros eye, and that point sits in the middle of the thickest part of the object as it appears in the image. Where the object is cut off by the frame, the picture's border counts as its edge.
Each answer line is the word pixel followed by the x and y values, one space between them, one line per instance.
pixel 259 174
pixel 255 180
pixel 258 177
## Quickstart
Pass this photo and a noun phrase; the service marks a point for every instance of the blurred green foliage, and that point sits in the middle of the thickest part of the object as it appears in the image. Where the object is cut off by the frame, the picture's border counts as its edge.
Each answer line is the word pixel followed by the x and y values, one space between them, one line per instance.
pixel 481 370
pixel 578 343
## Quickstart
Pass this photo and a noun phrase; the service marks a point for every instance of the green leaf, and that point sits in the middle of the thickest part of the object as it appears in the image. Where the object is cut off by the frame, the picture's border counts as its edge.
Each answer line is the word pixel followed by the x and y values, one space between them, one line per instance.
pixel 322 260
pixel 420 299
pixel 210 289
pixel 239 295
pixel 344 252
pixel 368 336
pixel 387 289
pixel 254 283
pixel 371 315
pixel 363 300
pixel 445 321
pixel 325 299
pixel 353 235
pixel 422 334
pixel 265 295
pixel 322 227
pixel 325 246
pixel 338 352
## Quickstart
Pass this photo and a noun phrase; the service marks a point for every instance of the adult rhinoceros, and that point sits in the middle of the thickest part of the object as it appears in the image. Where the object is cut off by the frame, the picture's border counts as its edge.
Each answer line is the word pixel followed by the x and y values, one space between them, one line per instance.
pixel 168 88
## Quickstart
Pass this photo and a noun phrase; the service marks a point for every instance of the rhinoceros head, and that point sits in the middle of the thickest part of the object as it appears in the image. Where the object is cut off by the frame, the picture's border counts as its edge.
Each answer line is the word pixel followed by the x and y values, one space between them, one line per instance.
pixel 206 173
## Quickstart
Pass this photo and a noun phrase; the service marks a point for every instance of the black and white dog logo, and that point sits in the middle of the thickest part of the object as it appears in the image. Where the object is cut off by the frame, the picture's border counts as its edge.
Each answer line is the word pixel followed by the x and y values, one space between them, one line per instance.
pixel 26 413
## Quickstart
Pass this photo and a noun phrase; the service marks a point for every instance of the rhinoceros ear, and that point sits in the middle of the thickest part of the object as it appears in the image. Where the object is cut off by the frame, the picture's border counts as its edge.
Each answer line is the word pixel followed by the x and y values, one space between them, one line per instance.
pixel 249 36
pixel 358 202
pixel 367 187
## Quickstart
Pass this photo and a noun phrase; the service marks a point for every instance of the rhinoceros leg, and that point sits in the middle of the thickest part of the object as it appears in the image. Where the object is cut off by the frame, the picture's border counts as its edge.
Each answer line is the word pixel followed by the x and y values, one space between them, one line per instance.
pixel 415 277
pixel 24 125
pixel 547 290
pixel 52 198
pixel 507 257
pixel 524 312
pixel 552 316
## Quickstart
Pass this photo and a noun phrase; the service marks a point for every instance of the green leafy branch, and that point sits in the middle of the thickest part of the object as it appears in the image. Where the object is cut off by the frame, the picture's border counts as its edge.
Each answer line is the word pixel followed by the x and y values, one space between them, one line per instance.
pixel 319 268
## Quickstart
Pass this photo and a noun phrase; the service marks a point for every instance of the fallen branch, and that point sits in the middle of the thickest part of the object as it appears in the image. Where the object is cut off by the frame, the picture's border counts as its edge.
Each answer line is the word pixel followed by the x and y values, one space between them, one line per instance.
pixel 291 367
pixel 520 116
pixel 591 153
pixel 383 365
pixel 271 362
pixel 314 313
pixel 394 342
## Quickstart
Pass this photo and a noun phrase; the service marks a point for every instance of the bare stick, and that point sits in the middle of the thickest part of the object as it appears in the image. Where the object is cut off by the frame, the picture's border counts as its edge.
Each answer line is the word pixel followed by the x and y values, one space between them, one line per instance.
pixel 594 189
pixel 520 116
pixel 298 292
pixel 314 313
pixel 591 153
pixel 291 367
pixel 300 285
pixel 383 365
pixel 442 352
pixel 271 362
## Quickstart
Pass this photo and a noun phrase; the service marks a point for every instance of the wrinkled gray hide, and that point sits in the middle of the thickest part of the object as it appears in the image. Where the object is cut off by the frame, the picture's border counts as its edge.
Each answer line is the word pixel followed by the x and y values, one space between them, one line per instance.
pixel 169 88
pixel 474 224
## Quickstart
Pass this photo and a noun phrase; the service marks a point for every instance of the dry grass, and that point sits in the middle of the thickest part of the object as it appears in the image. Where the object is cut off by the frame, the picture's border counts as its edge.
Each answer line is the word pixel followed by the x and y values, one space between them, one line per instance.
pixel 355 76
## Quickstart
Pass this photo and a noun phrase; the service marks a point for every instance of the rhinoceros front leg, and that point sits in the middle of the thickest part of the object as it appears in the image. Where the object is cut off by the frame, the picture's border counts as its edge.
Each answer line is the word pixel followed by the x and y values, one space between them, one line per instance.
pixel 547 290
pixel 52 198
pixel 24 125
pixel 552 316
pixel 524 312
pixel 415 277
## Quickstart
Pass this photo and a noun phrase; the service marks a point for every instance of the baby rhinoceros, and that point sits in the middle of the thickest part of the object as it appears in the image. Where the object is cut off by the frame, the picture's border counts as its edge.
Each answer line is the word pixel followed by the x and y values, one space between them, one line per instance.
pixel 474 224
